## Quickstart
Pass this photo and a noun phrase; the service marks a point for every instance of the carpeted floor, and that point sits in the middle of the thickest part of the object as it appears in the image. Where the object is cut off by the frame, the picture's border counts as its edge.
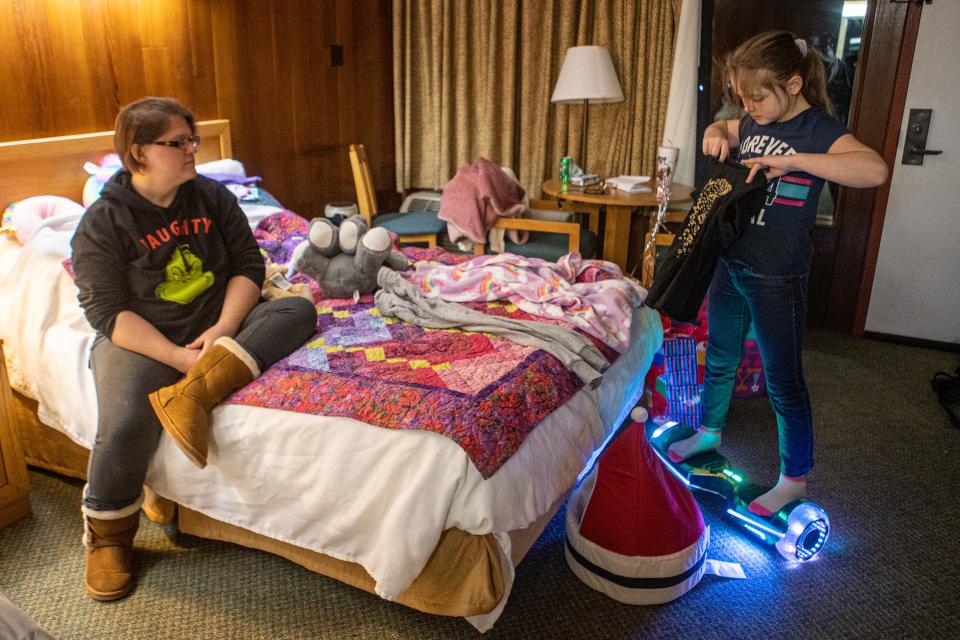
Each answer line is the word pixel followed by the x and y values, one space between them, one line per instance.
pixel 888 472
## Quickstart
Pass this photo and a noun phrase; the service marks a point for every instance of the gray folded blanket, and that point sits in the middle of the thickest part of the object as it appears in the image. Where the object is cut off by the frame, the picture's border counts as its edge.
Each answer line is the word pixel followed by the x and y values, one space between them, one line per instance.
pixel 400 299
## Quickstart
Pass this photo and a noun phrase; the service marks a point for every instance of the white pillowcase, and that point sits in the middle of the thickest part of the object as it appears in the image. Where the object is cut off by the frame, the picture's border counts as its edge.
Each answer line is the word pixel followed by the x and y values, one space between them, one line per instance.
pixel 226 166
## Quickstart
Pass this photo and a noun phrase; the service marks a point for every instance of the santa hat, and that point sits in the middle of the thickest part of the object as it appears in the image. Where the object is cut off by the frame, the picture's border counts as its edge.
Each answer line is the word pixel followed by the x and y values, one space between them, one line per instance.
pixel 634 531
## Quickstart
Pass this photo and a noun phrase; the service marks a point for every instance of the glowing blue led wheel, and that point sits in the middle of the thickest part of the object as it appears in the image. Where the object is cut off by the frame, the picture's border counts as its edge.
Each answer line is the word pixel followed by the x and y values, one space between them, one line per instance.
pixel 807 530
pixel 799 530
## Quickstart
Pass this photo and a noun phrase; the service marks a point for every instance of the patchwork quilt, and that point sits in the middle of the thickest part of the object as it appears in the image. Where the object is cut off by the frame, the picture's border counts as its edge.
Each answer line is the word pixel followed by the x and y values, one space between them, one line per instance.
pixel 483 392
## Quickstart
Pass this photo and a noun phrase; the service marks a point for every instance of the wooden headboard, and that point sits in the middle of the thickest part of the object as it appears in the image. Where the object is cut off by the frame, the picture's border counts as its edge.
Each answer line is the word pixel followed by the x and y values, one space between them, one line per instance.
pixel 54 166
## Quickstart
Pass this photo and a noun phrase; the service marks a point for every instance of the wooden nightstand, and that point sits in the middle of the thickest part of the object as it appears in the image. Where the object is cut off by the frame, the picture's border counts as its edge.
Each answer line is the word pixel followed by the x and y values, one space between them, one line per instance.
pixel 14 486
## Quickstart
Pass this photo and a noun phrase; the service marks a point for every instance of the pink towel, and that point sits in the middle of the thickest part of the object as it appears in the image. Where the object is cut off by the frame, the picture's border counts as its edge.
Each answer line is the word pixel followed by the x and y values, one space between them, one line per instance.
pixel 475 197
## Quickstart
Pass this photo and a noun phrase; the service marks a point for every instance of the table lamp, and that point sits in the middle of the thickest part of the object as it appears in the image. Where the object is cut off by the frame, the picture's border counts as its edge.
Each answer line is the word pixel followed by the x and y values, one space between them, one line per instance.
pixel 587 75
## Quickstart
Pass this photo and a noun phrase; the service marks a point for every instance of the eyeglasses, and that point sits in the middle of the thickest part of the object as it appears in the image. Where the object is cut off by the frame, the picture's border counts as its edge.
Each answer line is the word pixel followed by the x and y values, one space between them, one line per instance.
pixel 189 142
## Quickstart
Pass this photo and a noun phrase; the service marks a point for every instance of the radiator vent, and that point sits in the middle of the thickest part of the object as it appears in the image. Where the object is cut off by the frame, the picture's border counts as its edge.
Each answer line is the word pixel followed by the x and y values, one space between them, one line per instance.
pixel 421 201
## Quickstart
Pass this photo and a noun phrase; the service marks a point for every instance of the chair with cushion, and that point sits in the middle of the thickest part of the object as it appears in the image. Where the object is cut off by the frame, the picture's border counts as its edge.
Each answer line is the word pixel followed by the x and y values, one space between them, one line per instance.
pixel 412 226
pixel 551 236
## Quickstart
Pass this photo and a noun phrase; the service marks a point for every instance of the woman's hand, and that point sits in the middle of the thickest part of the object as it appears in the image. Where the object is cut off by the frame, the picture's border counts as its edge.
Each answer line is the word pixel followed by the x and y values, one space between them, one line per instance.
pixel 133 333
pixel 772 166
pixel 716 141
pixel 185 358
pixel 206 339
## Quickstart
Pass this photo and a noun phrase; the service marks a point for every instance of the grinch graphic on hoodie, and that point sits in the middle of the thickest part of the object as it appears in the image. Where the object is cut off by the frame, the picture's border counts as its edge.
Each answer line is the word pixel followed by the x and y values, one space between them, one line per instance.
pixel 170 265
pixel 185 277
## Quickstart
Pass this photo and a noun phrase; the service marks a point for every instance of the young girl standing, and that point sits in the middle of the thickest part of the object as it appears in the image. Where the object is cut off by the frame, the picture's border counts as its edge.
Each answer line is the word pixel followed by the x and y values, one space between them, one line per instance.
pixel 761 279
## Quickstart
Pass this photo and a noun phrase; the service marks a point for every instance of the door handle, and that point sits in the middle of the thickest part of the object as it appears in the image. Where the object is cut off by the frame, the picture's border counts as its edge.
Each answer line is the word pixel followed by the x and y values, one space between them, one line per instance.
pixel 915 143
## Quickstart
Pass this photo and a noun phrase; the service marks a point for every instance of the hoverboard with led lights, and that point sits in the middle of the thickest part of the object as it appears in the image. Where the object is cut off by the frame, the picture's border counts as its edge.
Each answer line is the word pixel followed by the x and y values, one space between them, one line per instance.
pixel 799 530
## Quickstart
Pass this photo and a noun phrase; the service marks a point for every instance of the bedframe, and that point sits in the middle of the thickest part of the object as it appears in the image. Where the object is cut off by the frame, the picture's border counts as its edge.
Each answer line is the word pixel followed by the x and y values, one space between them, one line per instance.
pixel 469 572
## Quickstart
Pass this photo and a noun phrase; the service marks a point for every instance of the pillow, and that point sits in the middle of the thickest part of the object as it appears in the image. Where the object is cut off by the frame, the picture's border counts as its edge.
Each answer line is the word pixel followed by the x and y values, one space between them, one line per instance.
pixel 29 215
pixel 549 214
pixel 101 172
pixel 224 167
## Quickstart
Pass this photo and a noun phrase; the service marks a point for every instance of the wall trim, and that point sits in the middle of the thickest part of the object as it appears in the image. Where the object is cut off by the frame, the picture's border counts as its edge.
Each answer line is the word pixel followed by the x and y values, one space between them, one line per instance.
pixel 923 343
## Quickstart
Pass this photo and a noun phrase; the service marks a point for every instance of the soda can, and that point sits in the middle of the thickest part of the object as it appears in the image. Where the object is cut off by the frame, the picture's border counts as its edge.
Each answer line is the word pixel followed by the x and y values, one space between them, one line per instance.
pixel 565 171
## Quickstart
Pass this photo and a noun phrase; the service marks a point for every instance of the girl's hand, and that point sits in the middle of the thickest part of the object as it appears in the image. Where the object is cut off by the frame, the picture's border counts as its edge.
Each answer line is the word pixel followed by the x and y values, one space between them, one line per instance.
pixel 772 166
pixel 716 141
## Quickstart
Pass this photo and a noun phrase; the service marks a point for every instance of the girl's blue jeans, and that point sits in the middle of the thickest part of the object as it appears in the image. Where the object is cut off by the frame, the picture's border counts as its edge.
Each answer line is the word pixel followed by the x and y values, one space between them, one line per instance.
pixel 776 306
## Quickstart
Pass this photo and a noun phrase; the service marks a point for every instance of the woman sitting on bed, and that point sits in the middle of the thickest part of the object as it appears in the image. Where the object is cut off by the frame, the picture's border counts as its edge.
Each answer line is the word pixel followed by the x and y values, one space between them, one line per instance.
pixel 169 276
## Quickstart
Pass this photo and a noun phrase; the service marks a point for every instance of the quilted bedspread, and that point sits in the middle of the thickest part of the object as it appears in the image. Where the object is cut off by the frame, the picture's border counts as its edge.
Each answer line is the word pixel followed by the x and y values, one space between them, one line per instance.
pixel 483 392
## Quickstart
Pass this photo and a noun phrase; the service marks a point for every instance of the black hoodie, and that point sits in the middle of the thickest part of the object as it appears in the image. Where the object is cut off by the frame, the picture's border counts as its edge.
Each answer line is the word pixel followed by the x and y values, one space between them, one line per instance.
pixel 721 210
pixel 168 265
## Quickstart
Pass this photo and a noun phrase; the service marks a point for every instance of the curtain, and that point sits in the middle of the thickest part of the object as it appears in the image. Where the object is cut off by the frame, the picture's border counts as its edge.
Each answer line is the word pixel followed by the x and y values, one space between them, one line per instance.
pixel 680 129
pixel 474 78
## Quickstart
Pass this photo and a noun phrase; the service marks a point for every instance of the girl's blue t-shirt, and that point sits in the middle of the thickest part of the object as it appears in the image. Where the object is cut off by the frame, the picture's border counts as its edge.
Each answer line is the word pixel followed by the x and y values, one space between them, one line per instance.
pixel 779 239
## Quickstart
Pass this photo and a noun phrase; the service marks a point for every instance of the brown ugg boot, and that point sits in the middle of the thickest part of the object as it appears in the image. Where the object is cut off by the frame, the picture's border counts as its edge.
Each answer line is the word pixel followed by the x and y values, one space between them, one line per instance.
pixel 108 537
pixel 184 408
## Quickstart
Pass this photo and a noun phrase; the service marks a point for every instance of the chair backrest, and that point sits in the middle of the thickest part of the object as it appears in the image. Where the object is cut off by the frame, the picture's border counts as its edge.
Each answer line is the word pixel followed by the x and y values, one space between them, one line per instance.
pixel 363 181
pixel 648 262
pixel 569 229
pixel 540 209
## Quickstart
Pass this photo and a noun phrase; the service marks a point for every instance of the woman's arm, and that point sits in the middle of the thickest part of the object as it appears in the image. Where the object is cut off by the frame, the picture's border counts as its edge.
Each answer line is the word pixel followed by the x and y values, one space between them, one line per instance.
pixel 245 271
pixel 848 162
pixel 132 332
pixel 242 295
pixel 720 137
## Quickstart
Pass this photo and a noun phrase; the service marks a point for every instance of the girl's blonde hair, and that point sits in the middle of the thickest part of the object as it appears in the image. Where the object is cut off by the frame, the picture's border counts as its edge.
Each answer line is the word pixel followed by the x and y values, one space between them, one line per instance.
pixel 768 60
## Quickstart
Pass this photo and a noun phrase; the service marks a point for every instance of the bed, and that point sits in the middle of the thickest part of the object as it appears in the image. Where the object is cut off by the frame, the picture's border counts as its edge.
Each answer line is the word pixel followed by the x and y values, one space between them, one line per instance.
pixel 326 491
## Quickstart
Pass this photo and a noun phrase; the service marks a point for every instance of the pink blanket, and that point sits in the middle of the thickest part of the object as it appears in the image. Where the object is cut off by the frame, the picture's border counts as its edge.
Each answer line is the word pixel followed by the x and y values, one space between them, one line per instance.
pixel 474 199
pixel 590 295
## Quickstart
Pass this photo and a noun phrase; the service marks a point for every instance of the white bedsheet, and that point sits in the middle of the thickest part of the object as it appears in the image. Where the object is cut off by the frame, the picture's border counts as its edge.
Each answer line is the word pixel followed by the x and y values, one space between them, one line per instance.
pixel 365 494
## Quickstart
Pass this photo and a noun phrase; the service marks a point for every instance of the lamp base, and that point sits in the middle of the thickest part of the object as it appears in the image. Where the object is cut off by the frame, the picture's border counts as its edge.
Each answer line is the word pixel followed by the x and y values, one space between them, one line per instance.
pixel 583 137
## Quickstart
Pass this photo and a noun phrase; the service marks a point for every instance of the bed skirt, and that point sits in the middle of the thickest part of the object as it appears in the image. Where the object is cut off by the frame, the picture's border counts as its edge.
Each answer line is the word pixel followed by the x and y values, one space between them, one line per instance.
pixel 464 576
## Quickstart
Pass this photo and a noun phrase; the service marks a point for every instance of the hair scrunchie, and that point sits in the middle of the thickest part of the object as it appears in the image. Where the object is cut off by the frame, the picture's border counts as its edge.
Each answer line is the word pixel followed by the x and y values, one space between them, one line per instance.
pixel 802 45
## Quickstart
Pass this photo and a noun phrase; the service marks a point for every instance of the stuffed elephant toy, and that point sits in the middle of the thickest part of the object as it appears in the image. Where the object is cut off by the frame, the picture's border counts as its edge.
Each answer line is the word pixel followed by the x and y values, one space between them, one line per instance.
pixel 344 261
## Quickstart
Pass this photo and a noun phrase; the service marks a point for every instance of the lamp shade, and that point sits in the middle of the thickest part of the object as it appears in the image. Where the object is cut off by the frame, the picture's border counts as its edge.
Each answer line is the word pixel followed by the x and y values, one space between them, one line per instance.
pixel 587 74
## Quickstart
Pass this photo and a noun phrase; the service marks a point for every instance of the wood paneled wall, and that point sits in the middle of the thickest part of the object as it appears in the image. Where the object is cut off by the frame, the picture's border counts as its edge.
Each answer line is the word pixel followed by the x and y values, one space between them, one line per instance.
pixel 69 65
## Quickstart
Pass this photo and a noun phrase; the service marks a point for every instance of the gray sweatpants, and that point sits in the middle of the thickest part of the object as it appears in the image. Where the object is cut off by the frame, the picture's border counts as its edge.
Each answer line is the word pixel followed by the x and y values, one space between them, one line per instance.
pixel 128 430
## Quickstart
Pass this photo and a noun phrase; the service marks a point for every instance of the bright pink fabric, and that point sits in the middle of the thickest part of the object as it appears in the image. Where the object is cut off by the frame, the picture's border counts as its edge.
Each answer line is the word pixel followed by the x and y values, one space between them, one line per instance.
pixel 758 509
pixel 479 194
